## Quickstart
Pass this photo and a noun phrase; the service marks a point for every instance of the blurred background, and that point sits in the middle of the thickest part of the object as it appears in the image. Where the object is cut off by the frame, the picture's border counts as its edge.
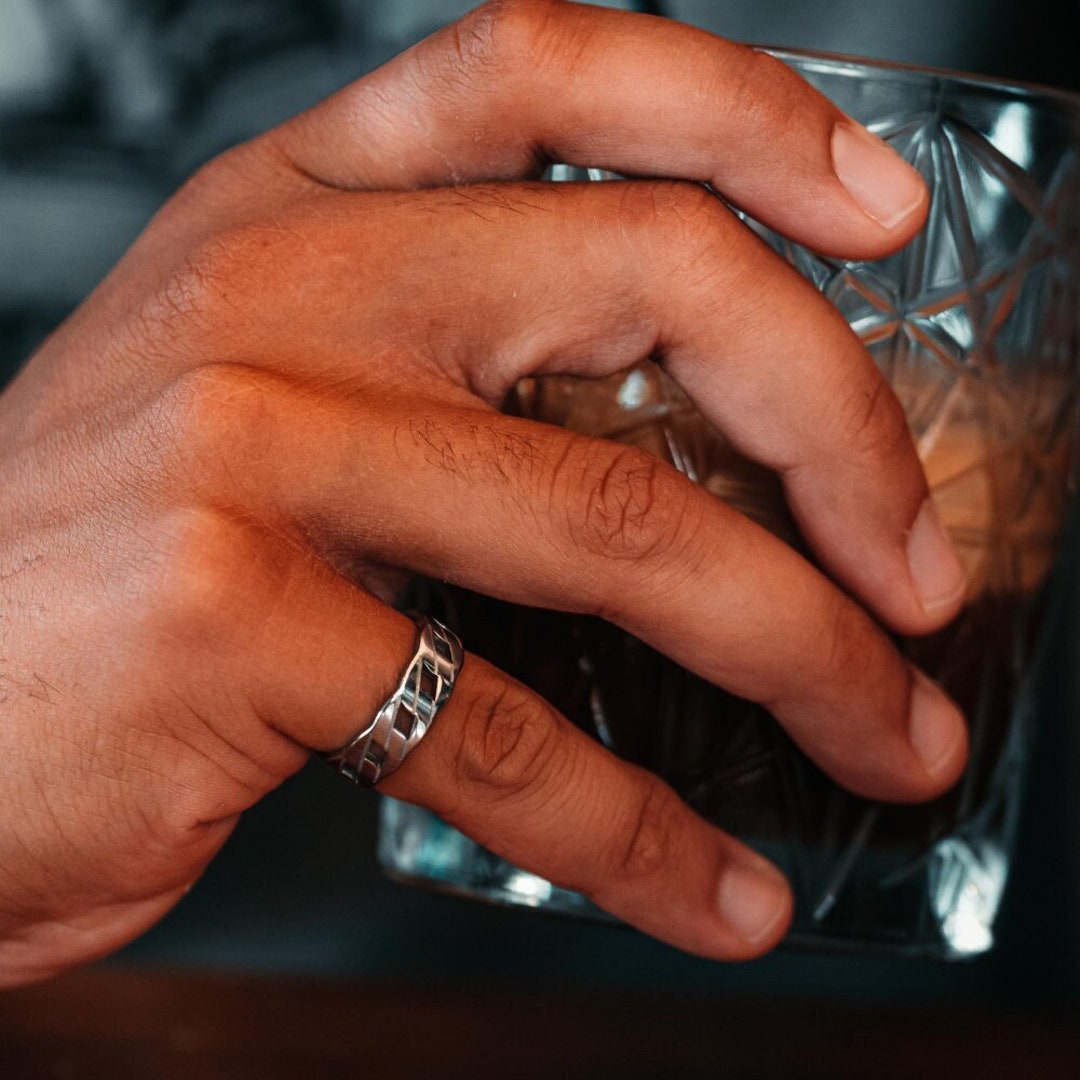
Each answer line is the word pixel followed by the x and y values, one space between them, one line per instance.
pixel 105 107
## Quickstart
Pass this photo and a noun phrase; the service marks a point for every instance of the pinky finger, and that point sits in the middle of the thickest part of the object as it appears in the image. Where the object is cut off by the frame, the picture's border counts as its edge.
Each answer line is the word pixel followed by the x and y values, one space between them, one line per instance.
pixel 506 769
pixel 499 763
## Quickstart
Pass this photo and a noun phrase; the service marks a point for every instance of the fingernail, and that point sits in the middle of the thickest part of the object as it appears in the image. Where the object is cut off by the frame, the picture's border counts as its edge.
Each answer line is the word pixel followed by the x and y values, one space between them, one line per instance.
pixel 753 899
pixel 935 726
pixel 936 572
pixel 877 178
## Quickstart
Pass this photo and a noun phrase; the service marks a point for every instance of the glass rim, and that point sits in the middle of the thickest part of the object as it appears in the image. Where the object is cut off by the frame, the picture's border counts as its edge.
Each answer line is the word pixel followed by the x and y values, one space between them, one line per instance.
pixel 836 63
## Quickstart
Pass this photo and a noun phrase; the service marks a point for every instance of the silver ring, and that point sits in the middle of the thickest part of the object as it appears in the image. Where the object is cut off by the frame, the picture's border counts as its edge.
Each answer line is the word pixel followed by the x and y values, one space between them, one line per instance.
pixel 404 719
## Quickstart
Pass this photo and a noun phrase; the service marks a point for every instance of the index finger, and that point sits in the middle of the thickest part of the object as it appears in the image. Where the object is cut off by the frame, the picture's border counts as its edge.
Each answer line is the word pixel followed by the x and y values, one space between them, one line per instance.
pixel 519 83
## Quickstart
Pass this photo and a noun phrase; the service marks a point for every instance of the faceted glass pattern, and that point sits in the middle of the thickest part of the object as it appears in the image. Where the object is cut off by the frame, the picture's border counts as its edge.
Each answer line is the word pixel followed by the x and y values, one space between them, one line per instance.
pixel 976 324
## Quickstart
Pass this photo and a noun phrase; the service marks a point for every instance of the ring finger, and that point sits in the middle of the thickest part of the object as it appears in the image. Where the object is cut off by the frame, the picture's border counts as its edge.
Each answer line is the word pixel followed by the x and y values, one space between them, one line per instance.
pixel 315 657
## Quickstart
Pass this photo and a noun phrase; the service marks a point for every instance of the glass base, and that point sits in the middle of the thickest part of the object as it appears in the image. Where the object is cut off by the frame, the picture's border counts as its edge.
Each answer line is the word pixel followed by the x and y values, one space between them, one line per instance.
pixel 418 848
pixel 954 895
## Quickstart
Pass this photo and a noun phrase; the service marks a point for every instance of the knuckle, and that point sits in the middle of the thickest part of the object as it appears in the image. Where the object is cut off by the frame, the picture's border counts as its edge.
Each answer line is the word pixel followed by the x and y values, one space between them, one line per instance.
pixel 683 225
pixel 507 743
pixel 493 38
pixel 196 584
pixel 679 216
pixel 872 423
pixel 842 646
pixel 206 411
pixel 649 838
pixel 227 282
pixel 229 264
pixel 183 315
pixel 204 282
pixel 624 503
pixel 770 99
pixel 476 37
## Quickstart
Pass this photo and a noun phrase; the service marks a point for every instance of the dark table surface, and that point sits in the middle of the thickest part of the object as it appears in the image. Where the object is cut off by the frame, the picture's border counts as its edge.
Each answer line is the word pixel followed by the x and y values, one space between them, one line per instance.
pixel 123 1023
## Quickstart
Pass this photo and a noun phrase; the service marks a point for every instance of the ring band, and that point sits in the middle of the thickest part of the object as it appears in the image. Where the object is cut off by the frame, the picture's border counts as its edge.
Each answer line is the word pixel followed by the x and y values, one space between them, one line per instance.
pixel 404 719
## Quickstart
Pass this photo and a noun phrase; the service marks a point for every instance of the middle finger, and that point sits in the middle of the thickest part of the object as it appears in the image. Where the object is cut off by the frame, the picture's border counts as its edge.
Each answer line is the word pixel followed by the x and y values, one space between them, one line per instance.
pixel 432 288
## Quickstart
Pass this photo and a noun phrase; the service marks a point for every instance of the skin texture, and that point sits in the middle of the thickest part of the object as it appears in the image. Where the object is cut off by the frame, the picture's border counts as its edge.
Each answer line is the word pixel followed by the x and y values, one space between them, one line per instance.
pixel 285 395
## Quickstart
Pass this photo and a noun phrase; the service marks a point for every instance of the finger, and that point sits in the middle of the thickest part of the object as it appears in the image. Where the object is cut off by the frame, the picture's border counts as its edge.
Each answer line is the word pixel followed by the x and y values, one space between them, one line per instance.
pixel 620 271
pixel 516 84
pixel 314 658
pixel 507 770
pixel 553 520
pixel 539 516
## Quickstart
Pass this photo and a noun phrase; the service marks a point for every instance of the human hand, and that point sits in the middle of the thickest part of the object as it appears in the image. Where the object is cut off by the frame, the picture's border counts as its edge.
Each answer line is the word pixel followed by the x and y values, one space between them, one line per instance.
pixel 286 394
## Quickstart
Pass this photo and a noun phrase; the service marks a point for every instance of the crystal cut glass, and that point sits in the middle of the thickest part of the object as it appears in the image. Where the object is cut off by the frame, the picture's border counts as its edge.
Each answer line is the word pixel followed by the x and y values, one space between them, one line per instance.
pixel 976 324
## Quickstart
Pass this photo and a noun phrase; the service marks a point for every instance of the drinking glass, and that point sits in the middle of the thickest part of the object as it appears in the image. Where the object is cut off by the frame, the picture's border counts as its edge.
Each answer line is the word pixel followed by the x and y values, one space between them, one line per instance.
pixel 976 325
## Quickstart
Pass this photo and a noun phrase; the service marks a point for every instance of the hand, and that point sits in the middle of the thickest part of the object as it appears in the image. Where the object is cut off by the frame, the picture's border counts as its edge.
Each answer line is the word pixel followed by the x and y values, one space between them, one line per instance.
pixel 286 394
